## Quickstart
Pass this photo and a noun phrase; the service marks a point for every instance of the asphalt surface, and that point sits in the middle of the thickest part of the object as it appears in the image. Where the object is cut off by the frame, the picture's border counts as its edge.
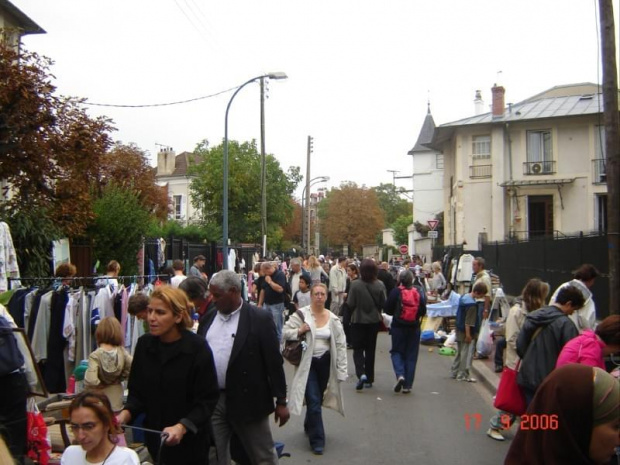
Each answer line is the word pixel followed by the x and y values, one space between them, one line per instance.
pixel 441 422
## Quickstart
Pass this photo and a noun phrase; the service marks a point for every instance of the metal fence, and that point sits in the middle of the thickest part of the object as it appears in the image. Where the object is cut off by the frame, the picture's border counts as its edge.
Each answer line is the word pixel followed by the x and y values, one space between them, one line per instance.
pixel 551 259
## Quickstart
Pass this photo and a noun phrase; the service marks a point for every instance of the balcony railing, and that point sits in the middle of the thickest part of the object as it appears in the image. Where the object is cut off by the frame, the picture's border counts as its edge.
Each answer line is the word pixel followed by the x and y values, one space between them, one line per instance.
pixel 599 170
pixel 538 167
pixel 480 171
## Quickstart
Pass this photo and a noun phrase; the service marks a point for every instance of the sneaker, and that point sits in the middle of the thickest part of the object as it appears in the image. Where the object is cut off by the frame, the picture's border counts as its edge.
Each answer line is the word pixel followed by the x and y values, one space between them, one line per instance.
pixel 360 384
pixel 399 384
pixel 406 391
pixel 367 385
pixel 317 450
pixel 498 369
pixel 495 434
pixel 466 378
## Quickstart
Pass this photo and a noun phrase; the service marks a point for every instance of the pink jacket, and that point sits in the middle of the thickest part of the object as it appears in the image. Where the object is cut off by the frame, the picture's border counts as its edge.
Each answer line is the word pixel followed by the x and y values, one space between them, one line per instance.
pixel 586 349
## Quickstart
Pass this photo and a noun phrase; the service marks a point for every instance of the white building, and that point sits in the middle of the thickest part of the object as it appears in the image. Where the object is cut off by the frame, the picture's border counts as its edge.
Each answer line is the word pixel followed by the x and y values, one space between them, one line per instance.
pixel 172 172
pixel 15 24
pixel 534 168
pixel 427 174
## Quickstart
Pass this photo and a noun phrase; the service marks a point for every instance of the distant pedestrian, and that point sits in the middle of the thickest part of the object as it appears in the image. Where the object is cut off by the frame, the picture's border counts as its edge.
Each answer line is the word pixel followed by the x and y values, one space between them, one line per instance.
pixel 338 284
pixel 197 268
pixel 407 306
pixel 365 300
pixel 386 277
pixel 542 337
pixel 197 291
pixel 322 368
pixel 273 295
pixel 302 297
pixel 467 328
pixel 583 279
pixel 315 268
pixel 179 267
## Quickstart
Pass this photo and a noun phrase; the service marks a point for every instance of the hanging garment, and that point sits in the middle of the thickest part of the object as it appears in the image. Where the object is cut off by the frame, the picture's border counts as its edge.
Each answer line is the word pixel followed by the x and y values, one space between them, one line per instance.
pixel 8 257
pixel 53 369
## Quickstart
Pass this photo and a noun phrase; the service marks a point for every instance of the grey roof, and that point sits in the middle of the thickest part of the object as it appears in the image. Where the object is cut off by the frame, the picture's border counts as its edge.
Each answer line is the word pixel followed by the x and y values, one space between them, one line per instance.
pixel 426 134
pixel 558 102
pixel 27 25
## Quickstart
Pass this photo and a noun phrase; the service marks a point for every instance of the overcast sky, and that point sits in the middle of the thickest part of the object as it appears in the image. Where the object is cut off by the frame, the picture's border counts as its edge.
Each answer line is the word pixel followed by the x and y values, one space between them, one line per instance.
pixel 360 72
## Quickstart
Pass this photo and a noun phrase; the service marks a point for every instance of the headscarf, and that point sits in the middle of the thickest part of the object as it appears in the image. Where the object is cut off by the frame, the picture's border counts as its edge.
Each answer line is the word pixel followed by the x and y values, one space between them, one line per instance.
pixel 569 393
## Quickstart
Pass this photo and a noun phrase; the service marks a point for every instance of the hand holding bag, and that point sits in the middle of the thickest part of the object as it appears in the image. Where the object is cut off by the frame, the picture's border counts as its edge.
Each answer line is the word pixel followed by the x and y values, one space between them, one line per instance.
pixel 509 397
pixel 293 350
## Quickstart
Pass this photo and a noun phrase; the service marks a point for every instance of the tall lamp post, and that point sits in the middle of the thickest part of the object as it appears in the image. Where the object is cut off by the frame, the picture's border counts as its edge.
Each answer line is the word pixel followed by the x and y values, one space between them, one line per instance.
pixel 305 205
pixel 278 75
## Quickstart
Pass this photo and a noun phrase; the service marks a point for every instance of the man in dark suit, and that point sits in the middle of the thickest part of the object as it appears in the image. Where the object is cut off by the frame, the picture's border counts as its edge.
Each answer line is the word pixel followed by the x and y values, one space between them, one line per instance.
pixel 249 368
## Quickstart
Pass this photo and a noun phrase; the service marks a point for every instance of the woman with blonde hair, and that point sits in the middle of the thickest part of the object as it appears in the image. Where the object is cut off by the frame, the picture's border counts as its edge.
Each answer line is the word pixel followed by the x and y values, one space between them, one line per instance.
pixel 316 270
pixel 96 430
pixel 109 365
pixel 173 381
pixel 532 298
pixel 323 365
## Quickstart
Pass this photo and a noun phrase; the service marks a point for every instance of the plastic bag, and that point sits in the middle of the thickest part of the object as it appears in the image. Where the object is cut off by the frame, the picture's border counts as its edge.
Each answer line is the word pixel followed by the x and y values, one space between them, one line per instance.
pixel 387 319
pixel 484 346
pixel 38 443
pixel 451 341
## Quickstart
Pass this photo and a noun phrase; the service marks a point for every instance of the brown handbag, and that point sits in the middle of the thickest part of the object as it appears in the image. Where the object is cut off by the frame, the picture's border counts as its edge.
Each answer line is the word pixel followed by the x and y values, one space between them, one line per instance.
pixel 293 350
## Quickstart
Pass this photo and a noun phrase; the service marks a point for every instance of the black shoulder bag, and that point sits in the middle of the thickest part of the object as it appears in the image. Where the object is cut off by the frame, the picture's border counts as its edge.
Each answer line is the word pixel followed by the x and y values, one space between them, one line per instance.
pixel 293 350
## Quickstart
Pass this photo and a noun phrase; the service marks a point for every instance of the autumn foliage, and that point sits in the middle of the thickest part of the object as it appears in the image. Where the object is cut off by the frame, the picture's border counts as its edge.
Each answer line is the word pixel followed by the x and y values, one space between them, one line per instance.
pixel 352 216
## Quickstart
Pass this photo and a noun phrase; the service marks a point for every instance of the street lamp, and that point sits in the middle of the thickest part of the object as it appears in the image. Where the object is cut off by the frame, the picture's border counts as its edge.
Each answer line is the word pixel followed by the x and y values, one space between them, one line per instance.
pixel 278 75
pixel 304 206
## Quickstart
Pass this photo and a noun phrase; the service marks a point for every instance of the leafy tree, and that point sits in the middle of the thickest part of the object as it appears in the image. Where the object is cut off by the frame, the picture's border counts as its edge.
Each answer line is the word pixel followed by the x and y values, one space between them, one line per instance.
pixel 191 232
pixel 391 202
pixel 351 216
pixel 50 148
pixel 244 199
pixel 400 228
pixel 121 222
pixel 128 166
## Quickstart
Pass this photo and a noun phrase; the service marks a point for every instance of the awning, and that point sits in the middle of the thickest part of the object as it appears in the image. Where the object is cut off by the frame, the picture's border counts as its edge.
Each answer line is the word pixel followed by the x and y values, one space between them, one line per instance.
pixel 537 182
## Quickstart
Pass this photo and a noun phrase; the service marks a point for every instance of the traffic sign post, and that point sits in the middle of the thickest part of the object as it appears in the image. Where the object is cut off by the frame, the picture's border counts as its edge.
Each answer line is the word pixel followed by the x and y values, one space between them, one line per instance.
pixel 433 234
pixel 403 249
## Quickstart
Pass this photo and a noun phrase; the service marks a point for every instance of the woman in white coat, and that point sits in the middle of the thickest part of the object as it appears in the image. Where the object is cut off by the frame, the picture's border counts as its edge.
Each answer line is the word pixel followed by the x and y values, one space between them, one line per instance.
pixel 323 365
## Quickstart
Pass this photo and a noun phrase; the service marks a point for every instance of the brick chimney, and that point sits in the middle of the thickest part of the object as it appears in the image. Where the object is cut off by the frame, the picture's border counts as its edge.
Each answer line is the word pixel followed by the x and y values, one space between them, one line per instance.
pixel 497 107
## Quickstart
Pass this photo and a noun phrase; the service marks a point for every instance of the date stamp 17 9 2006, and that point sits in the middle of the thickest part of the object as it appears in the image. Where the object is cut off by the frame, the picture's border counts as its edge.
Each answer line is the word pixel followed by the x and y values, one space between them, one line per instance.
pixel 532 421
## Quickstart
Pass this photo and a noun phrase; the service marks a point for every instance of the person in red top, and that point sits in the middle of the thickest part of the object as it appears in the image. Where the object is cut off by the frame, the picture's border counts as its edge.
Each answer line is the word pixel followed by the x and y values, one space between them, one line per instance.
pixel 198 293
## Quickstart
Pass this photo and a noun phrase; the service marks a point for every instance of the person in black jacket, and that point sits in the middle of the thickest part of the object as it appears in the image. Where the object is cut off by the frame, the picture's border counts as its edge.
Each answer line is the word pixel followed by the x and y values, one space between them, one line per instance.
pixel 386 277
pixel 407 303
pixel 542 337
pixel 173 382
pixel 250 372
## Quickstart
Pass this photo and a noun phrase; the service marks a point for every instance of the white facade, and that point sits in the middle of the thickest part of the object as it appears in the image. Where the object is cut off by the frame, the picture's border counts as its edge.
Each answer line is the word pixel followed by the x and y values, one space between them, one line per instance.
pixel 428 172
pixel 533 169
pixel 172 173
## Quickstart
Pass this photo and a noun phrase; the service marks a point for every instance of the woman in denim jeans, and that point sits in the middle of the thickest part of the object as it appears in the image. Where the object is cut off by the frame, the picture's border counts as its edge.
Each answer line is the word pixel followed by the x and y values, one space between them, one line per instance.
pixel 323 365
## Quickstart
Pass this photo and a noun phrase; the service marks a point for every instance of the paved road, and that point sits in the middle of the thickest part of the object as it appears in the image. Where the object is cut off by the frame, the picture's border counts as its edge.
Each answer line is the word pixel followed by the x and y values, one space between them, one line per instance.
pixel 427 427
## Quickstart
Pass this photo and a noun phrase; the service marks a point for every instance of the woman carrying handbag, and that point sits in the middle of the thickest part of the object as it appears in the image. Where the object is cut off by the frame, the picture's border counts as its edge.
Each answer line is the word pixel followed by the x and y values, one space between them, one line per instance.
pixel 323 364
pixel 532 298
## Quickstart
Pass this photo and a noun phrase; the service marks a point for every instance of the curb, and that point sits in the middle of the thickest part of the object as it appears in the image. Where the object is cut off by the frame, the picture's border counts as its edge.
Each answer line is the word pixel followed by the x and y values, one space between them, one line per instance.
pixel 487 377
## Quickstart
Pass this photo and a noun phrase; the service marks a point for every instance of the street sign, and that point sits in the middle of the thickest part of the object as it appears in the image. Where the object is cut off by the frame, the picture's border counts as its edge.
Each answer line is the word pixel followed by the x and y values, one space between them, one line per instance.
pixel 403 249
pixel 433 234
pixel 432 224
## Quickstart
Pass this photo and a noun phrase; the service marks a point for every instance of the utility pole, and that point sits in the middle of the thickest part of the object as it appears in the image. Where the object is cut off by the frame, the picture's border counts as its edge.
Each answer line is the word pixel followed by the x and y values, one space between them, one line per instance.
pixel 612 148
pixel 307 190
pixel 263 170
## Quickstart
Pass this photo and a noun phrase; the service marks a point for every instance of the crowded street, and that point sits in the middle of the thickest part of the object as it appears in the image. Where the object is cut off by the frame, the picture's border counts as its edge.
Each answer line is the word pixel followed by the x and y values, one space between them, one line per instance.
pixel 428 426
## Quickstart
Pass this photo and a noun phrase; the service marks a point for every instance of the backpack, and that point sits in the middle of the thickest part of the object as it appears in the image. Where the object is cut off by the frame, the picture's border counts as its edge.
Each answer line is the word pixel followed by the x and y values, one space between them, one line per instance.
pixel 11 358
pixel 410 299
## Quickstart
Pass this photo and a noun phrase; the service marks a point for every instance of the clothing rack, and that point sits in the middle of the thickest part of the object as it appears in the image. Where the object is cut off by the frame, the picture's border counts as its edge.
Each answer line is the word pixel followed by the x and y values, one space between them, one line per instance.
pixel 86 278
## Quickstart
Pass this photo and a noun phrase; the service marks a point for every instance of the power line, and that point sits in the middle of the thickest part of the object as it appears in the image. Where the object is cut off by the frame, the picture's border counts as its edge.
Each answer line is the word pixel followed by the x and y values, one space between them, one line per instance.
pixel 150 105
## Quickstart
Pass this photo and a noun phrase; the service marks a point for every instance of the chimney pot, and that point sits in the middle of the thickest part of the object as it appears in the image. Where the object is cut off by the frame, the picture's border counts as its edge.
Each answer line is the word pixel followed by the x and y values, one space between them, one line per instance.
pixel 498 101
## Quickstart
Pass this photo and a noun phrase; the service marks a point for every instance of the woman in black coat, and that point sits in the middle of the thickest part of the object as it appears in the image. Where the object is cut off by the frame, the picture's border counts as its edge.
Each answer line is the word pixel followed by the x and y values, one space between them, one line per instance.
pixel 173 382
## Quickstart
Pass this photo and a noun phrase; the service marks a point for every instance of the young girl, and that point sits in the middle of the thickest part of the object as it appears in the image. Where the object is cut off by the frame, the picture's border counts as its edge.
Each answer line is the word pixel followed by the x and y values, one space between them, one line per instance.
pixel 302 296
pixel 109 365
pixel 95 429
